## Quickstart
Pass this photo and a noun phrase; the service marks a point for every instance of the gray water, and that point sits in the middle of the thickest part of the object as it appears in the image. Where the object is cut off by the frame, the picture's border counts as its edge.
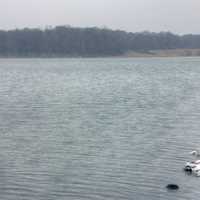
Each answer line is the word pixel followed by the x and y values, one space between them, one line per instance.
pixel 98 128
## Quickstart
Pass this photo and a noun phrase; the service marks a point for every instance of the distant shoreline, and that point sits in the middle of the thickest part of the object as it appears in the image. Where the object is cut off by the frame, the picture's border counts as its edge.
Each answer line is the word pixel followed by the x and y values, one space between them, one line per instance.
pixel 131 54
pixel 76 42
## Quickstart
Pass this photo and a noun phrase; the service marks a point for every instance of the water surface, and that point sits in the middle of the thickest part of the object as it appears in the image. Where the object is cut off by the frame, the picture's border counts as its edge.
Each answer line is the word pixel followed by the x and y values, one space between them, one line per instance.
pixel 98 128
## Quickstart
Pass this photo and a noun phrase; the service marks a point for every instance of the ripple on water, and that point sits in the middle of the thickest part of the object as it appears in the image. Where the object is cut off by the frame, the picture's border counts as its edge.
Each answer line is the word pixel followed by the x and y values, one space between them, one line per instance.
pixel 98 128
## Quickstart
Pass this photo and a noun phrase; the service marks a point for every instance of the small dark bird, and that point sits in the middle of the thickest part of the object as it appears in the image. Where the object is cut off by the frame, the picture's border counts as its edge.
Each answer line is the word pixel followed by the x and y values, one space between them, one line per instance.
pixel 172 187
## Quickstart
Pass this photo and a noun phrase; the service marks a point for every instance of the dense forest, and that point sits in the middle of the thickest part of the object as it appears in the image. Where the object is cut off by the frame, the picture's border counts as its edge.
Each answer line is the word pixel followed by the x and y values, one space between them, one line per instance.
pixel 69 41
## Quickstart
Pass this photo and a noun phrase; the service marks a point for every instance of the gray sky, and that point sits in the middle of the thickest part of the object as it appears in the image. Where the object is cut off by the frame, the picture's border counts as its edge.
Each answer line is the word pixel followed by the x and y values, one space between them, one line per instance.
pixel 178 16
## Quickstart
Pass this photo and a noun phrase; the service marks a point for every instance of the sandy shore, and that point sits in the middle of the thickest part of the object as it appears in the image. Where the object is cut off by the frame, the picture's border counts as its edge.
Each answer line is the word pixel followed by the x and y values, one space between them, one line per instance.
pixel 164 53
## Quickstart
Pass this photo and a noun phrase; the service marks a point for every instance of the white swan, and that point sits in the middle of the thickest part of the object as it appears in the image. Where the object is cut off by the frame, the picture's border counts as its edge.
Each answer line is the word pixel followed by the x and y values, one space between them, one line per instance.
pixel 195 153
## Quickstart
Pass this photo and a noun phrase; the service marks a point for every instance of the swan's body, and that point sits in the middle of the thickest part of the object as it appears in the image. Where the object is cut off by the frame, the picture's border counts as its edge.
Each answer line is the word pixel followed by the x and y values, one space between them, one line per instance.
pixel 193 164
pixel 193 167
pixel 196 170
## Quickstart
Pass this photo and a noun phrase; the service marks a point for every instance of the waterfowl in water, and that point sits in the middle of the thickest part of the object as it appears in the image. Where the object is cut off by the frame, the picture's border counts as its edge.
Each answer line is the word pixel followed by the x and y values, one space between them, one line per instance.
pixel 193 167
pixel 195 153
pixel 172 187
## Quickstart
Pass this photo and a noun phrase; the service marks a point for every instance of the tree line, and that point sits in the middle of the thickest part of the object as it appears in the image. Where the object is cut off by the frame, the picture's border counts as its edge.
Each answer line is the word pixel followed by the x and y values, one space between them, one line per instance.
pixel 70 41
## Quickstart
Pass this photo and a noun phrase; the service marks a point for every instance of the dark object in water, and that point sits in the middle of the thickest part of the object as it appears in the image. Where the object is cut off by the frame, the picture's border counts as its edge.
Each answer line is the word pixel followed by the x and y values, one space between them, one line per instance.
pixel 188 169
pixel 172 187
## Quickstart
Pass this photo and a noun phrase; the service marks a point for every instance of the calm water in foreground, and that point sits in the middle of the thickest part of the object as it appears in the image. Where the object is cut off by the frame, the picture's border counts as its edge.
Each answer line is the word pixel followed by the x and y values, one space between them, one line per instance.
pixel 98 128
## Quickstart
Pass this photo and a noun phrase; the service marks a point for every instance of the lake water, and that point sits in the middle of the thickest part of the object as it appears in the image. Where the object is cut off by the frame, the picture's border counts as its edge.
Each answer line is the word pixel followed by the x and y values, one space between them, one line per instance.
pixel 116 129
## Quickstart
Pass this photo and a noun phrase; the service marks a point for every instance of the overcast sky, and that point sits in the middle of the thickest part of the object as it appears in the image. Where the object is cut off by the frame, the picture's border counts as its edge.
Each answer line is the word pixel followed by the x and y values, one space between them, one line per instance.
pixel 178 16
